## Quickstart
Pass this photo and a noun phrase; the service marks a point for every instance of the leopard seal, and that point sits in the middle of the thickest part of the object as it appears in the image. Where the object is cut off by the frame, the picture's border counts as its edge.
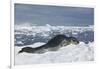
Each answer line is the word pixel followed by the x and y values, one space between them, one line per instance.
pixel 52 45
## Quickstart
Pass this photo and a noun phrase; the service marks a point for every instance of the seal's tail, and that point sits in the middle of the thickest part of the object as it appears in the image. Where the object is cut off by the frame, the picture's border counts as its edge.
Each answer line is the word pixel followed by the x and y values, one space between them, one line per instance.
pixel 31 50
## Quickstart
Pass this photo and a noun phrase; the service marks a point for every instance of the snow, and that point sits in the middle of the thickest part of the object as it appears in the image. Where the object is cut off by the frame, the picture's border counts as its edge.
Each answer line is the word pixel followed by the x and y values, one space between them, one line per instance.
pixel 70 53
pixel 36 44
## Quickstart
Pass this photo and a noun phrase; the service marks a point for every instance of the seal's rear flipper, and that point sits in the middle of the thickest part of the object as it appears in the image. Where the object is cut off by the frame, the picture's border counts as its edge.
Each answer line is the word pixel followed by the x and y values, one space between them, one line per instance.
pixel 20 51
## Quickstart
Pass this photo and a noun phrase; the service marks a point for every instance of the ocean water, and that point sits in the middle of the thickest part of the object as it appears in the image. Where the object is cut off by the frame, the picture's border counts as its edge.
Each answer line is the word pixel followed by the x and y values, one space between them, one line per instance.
pixel 32 34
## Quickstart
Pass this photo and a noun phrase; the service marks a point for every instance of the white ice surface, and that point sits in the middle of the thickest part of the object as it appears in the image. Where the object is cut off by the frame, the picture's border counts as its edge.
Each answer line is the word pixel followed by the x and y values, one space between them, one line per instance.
pixel 70 53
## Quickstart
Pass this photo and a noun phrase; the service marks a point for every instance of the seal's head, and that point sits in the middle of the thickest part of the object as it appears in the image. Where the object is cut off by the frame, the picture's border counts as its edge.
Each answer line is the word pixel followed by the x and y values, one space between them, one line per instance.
pixel 73 40
pixel 68 40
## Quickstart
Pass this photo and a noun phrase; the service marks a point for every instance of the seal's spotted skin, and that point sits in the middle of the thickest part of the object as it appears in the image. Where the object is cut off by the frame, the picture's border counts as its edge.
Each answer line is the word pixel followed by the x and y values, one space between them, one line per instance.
pixel 52 45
